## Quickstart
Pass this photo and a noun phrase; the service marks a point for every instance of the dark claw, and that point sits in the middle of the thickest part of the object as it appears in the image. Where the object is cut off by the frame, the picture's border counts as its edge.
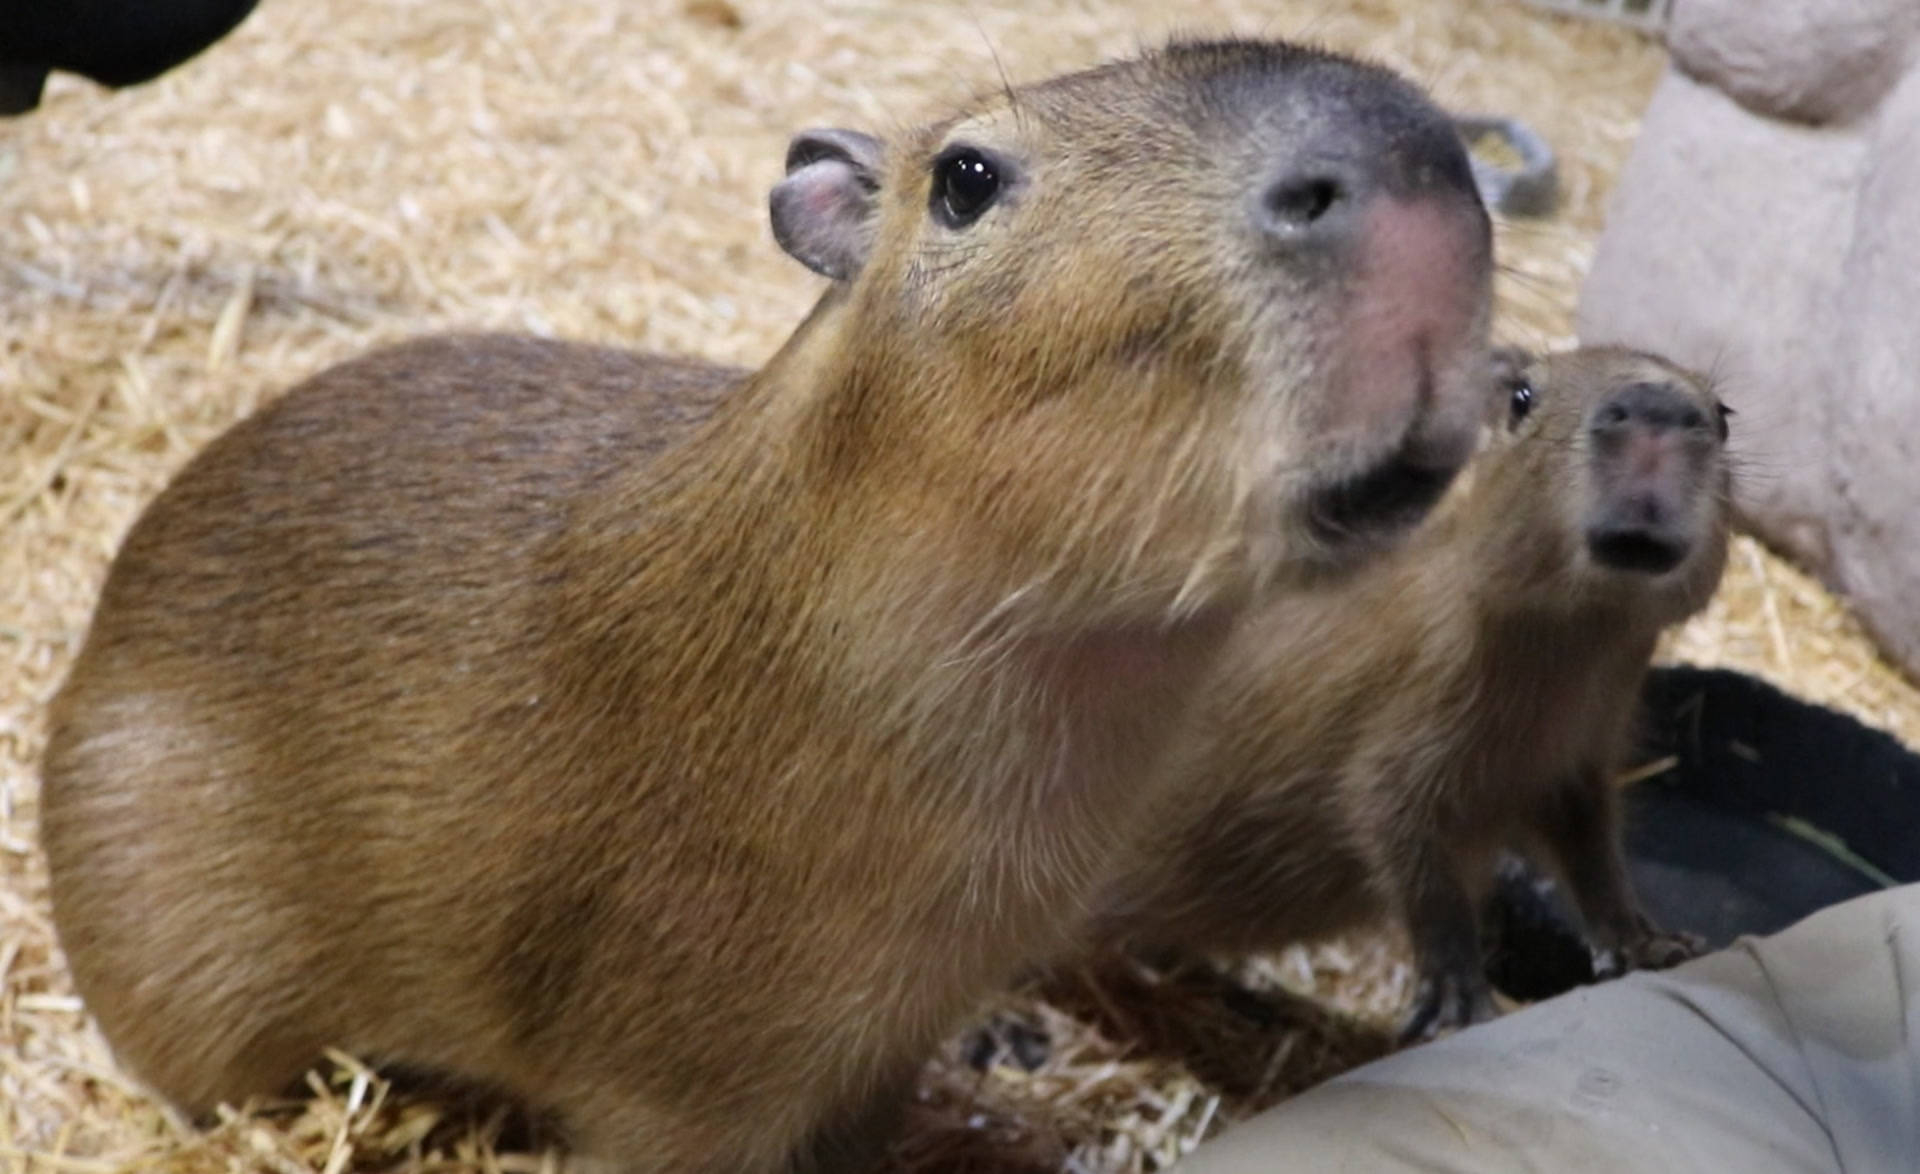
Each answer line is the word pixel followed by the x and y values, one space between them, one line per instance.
pixel 1446 1000
pixel 1647 947
pixel 1533 949
pixel 1669 948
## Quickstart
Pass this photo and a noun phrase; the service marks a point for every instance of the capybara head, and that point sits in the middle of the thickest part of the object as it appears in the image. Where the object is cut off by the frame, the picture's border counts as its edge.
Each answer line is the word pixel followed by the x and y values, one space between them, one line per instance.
pixel 1615 481
pixel 1221 307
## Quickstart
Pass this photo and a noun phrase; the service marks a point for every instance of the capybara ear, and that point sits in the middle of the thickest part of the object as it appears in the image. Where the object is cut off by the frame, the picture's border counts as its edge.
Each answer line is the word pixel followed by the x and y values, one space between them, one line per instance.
pixel 1510 363
pixel 823 209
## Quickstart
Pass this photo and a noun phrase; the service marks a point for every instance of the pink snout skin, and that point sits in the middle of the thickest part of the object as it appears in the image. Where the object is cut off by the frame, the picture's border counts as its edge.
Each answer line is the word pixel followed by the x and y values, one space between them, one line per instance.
pixel 1412 331
pixel 1647 477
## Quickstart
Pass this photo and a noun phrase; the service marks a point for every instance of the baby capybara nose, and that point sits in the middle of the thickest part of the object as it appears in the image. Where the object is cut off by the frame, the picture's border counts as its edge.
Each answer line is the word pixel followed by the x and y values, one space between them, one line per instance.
pixel 1650 443
pixel 1657 407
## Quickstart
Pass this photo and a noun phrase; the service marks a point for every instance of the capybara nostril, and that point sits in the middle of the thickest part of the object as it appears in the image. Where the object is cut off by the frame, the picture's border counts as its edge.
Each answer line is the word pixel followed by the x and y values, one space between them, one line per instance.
pixel 1296 204
pixel 1323 194
pixel 1660 407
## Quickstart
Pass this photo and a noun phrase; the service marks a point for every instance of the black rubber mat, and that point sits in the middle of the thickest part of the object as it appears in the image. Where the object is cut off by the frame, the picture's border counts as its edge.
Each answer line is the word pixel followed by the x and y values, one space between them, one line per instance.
pixel 1769 809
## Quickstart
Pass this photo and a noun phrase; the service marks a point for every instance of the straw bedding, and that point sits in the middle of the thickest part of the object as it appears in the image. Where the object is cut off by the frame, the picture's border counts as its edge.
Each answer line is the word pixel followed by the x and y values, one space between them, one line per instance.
pixel 345 173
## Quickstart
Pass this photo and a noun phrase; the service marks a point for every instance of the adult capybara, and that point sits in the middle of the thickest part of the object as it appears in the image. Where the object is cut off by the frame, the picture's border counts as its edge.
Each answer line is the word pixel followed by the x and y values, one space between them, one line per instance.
pixel 685 749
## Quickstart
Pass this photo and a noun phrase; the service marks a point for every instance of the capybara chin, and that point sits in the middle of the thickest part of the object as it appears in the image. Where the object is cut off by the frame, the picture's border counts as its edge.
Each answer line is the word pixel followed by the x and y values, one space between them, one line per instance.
pixel 1366 752
pixel 685 749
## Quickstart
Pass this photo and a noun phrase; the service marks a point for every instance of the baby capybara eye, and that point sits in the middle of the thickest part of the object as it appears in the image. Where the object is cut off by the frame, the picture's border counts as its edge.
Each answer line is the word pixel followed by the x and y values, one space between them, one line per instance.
pixel 1519 401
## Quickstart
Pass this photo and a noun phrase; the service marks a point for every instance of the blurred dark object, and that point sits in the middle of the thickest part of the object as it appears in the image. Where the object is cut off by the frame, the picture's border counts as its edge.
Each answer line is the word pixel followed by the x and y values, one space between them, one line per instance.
pixel 1767 809
pixel 113 42
pixel 1532 947
pixel 1775 807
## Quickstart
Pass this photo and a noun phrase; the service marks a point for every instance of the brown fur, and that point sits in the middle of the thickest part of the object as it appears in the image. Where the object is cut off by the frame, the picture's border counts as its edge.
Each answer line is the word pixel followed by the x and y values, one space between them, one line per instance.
pixel 1365 752
pixel 684 749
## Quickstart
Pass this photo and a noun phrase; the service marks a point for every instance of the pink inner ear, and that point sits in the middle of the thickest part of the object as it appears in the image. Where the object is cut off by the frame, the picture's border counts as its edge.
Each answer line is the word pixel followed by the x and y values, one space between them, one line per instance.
pixel 820 216
pixel 829 192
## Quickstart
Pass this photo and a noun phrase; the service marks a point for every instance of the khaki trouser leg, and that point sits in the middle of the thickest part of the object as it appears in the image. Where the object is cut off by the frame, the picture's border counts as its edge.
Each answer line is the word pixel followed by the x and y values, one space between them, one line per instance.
pixel 1794 1054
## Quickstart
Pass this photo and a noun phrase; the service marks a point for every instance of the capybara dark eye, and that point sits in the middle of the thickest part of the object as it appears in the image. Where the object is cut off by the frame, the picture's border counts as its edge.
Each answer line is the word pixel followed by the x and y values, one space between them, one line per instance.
pixel 1722 413
pixel 965 183
pixel 1520 402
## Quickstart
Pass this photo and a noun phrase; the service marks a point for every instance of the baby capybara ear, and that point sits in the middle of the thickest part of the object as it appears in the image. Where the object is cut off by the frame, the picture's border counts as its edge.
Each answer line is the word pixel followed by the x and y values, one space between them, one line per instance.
pixel 823 210
pixel 1507 363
